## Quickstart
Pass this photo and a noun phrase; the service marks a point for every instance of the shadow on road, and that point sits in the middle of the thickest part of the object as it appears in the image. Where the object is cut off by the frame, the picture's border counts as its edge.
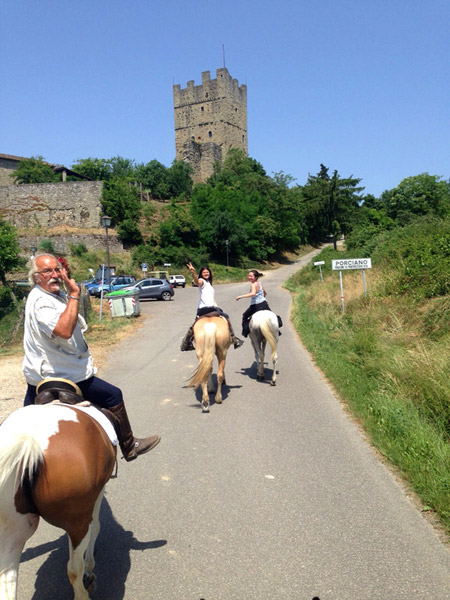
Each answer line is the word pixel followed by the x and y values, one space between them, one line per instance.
pixel 112 555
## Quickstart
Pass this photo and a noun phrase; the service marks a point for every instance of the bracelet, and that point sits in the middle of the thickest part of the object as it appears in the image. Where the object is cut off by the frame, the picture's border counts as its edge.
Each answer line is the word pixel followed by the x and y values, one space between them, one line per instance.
pixel 74 298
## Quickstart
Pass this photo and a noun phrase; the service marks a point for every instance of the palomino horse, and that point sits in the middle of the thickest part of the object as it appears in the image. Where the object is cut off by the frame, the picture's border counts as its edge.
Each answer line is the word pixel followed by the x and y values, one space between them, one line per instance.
pixel 264 328
pixel 212 337
pixel 55 461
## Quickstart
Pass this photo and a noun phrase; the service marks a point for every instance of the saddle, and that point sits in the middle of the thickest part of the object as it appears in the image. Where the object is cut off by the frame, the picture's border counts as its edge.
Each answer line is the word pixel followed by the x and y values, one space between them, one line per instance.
pixel 59 389
pixel 213 313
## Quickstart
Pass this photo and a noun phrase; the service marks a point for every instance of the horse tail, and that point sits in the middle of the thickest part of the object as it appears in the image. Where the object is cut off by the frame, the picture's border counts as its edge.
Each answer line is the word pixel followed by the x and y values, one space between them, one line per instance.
pixel 267 329
pixel 204 368
pixel 20 454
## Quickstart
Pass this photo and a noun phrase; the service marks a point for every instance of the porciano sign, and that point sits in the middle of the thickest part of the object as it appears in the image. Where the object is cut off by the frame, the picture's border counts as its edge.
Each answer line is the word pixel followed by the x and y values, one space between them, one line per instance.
pixel 349 264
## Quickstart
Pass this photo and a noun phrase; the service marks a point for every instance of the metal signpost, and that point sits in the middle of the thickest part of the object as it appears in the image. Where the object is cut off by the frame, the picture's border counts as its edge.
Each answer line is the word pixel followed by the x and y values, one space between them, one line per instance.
pixel 144 268
pixel 347 264
pixel 319 264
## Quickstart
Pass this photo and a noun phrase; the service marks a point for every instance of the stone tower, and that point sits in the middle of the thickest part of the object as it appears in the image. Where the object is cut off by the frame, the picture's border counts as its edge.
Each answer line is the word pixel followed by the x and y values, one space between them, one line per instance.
pixel 210 119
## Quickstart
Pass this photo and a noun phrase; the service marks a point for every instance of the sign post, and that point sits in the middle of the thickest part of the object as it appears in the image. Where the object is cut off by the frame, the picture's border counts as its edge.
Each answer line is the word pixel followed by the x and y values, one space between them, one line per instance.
pixel 144 268
pixel 347 264
pixel 319 264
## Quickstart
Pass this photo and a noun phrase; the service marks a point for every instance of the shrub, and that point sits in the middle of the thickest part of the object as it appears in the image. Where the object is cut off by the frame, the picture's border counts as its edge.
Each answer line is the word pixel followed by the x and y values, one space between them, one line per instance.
pixel 78 249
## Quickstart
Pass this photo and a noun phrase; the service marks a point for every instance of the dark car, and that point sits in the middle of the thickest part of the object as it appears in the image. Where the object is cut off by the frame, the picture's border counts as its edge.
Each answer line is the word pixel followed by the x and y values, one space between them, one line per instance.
pixel 151 287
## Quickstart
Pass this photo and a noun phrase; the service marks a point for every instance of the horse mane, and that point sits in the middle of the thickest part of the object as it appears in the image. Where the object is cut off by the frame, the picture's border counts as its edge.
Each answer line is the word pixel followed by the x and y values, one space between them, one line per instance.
pixel 205 366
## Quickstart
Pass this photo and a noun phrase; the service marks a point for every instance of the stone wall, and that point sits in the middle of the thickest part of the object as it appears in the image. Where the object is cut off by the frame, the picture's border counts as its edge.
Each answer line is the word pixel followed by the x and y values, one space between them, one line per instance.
pixel 201 157
pixel 75 203
pixel 61 242
pixel 214 113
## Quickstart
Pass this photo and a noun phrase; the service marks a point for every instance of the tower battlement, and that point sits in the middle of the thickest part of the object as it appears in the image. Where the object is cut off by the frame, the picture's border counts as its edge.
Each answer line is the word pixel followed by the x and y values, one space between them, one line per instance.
pixel 214 112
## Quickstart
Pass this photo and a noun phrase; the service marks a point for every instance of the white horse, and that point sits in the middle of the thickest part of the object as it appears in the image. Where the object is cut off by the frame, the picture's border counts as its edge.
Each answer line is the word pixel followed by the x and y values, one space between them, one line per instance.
pixel 264 328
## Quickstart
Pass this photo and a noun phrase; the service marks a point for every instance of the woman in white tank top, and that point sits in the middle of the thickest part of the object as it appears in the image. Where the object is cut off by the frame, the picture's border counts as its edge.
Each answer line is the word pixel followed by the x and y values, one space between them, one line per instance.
pixel 206 304
pixel 257 295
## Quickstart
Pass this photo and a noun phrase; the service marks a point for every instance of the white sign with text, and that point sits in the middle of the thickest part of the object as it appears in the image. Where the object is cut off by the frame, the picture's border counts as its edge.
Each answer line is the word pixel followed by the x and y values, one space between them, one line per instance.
pixel 351 263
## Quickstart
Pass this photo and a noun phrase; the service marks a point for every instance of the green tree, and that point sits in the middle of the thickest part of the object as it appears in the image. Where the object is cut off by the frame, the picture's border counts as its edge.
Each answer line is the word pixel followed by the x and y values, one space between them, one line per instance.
pixel 9 249
pixel 331 204
pixel 417 196
pixel 34 170
pixel 179 179
pixel 120 200
pixel 97 169
pixel 104 169
pixel 154 178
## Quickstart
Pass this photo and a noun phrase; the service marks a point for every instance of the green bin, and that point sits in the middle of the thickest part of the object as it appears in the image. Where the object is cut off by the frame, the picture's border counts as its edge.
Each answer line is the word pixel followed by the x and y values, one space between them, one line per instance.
pixel 124 304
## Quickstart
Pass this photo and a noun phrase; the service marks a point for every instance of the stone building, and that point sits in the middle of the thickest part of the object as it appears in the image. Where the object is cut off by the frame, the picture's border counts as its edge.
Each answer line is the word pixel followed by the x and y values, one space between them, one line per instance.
pixel 210 119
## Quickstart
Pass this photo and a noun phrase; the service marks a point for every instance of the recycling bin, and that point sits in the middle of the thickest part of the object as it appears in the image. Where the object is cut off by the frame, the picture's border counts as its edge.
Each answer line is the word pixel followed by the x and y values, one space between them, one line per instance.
pixel 124 304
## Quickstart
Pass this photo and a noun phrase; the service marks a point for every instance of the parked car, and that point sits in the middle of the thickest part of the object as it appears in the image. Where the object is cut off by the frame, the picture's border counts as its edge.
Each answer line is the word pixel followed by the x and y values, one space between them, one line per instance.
pixel 177 280
pixel 117 283
pixel 150 287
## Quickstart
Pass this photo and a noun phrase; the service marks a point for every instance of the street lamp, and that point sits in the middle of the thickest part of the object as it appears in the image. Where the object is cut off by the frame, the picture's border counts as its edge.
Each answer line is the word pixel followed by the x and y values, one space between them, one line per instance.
pixel 106 222
pixel 227 242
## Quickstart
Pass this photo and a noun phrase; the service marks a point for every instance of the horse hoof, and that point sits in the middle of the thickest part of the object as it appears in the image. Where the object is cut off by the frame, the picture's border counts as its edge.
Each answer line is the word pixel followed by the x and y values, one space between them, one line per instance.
pixel 260 377
pixel 89 582
pixel 273 383
pixel 218 400
pixel 205 408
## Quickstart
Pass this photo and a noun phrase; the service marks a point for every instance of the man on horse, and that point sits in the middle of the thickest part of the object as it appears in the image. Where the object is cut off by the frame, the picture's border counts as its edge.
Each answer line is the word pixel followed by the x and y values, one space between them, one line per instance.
pixel 55 348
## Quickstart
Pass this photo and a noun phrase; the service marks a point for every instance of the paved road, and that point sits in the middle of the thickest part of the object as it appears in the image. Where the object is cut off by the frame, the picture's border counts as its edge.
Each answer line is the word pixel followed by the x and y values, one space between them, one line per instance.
pixel 273 494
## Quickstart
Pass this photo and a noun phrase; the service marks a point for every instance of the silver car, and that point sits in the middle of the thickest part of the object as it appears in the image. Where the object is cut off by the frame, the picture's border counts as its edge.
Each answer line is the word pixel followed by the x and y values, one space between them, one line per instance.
pixel 151 287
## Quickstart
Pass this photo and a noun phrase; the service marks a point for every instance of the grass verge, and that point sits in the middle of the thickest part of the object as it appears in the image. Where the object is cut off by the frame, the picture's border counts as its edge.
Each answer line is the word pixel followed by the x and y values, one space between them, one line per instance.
pixel 387 368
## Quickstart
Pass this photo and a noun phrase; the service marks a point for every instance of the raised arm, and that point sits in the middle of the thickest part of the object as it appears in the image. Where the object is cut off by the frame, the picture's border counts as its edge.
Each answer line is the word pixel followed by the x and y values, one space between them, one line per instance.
pixel 251 293
pixel 68 319
pixel 197 281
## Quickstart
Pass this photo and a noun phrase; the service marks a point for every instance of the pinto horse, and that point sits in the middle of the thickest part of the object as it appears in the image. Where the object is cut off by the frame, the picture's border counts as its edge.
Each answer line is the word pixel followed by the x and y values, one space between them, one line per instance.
pixel 55 461
pixel 264 328
pixel 212 338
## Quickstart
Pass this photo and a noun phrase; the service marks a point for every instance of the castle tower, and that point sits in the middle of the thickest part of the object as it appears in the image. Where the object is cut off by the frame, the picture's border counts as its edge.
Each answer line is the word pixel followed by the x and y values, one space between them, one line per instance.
pixel 210 119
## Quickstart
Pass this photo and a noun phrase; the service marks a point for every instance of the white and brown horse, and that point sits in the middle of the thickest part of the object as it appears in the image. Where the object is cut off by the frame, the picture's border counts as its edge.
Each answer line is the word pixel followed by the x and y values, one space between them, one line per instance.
pixel 212 338
pixel 264 328
pixel 55 461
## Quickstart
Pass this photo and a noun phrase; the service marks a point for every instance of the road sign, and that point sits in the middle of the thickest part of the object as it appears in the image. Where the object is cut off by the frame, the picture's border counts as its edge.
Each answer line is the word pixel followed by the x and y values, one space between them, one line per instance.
pixel 319 262
pixel 144 266
pixel 345 264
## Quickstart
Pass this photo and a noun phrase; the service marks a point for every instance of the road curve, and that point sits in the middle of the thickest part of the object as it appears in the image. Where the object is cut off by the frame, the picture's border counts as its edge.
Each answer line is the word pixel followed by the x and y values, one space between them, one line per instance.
pixel 273 494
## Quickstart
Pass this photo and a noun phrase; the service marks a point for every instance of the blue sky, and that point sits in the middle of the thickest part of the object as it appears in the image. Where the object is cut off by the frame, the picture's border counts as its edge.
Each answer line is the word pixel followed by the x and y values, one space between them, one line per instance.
pixel 362 86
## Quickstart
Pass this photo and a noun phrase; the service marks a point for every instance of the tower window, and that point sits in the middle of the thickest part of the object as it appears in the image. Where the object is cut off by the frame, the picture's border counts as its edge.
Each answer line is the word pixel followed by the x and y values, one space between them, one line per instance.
pixel 203 108
pixel 210 133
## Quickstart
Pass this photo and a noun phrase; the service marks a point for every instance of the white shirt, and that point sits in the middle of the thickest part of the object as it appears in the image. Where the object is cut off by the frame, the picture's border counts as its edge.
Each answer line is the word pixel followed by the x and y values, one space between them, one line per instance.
pixel 47 355
pixel 206 292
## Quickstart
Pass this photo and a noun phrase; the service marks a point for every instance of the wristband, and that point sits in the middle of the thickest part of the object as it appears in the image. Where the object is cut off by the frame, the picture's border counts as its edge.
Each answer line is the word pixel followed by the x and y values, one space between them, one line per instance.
pixel 74 298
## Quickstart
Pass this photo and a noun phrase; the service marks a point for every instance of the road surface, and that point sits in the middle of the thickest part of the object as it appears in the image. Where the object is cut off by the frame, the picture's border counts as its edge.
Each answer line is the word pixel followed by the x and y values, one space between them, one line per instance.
pixel 273 494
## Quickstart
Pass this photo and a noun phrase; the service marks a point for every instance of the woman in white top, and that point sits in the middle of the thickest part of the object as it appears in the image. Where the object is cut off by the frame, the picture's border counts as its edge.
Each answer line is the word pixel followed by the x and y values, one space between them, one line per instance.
pixel 257 295
pixel 206 304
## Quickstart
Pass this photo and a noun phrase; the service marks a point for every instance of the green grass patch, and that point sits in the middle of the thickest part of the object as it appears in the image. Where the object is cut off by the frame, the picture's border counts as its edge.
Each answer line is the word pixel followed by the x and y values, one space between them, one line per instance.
pixel 386 367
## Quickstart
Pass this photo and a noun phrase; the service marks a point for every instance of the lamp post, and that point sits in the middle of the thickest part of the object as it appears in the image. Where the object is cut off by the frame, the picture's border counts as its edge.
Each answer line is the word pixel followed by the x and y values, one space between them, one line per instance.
pixel 227 242
pixel 106 222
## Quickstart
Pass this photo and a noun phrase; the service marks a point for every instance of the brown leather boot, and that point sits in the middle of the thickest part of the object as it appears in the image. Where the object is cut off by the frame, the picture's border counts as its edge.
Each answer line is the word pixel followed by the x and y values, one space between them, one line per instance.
pixel 131 447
